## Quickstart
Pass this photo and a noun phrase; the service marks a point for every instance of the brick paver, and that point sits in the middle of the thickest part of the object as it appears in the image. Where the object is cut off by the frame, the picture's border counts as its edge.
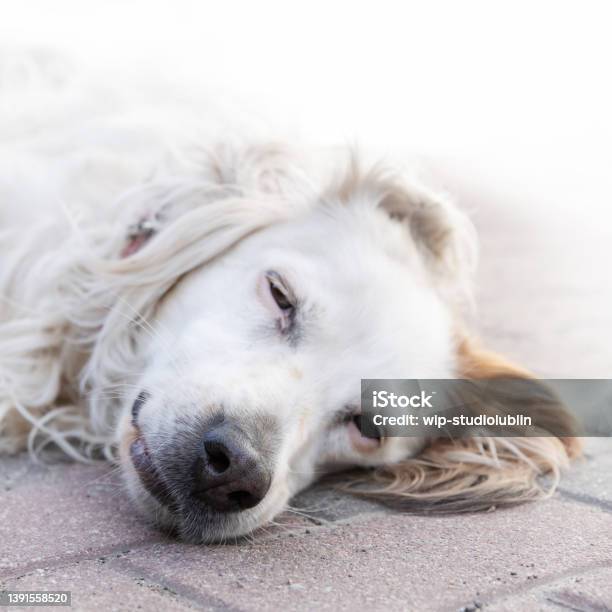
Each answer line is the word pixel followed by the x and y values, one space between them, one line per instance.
pixel 527 554
pixel 50 514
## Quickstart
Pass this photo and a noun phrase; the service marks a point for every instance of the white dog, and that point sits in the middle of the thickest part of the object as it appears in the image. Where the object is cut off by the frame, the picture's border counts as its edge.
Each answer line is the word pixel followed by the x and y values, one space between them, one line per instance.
pixel 208 311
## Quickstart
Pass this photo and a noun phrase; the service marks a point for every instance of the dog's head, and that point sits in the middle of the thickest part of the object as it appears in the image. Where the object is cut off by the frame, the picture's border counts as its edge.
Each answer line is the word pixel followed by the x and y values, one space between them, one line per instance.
pixel 262 316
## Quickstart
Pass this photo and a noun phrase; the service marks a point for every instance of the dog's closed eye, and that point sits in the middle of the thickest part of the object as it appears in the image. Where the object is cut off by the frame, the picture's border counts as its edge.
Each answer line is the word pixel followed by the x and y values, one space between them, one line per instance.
pixel 279 291
pixel 375 434
pixel 283 297
pixel 363 440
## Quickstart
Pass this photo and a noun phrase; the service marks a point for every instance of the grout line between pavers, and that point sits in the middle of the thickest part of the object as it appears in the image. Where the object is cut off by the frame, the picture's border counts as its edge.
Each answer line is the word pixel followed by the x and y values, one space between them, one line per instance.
pixel 502 595
pixel 199 599
pixel 565 606
pixel 584 498
pixel 52 563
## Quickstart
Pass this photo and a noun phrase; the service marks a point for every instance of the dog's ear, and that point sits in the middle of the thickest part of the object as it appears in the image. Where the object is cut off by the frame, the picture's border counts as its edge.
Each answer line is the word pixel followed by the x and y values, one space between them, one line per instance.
pixel 443 235
pixel 198 178
pixel 479 473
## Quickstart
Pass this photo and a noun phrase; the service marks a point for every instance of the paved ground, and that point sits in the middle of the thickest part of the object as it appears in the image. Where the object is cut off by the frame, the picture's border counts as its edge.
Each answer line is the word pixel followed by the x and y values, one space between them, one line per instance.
pixel 70 527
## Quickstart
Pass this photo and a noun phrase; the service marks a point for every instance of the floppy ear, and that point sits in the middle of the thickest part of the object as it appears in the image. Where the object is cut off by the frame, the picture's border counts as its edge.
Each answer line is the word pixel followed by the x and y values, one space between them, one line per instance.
pixel 478 473
pixel 196 178
pixel 443 235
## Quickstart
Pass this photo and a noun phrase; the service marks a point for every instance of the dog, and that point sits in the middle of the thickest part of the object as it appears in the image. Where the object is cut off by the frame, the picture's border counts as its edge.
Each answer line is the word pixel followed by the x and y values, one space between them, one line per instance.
pixel 201 309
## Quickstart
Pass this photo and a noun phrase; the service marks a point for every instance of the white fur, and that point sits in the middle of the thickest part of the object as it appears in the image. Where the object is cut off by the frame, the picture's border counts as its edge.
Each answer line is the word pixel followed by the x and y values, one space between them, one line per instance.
pixel 380 268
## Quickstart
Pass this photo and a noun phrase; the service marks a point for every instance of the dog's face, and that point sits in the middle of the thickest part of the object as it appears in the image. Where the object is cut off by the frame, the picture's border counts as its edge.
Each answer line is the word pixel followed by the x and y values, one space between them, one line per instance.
pixel 252 388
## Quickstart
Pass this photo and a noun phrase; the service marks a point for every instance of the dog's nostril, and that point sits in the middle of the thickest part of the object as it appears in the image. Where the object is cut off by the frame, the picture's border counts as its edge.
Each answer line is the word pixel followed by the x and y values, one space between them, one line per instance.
pixel 229 475
pixel 243 499
pixel 217 457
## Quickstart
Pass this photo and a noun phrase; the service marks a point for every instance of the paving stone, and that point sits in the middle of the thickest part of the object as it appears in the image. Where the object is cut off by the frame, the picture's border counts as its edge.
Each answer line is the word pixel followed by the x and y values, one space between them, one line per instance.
pixel 286 524
pixel 96 586
pixel 590 479
pixel 49 513
pixel 595 448
pixel 587 592
pixel 325 502
pixel 388 562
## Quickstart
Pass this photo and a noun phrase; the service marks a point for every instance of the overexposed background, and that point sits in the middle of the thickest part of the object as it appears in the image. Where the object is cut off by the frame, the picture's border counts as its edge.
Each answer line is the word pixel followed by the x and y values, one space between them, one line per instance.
pixel 507 104
pixel 440 76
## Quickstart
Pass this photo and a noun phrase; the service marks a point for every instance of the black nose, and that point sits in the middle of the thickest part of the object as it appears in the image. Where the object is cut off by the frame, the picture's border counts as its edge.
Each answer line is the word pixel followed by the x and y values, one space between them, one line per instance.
pixel 230 474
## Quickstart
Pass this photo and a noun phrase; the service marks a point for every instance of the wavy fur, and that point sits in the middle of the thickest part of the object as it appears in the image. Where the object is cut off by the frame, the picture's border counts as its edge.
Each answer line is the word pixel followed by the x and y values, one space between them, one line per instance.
pixel 74 314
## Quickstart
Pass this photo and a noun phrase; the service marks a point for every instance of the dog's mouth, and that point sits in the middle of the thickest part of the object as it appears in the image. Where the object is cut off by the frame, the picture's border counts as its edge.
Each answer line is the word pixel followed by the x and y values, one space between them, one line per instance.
pixel 147 472
pixel 200 476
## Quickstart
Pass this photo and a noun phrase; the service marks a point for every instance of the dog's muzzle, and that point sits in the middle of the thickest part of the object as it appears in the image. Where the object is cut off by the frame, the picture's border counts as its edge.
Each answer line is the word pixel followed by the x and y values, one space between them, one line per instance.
pixel 207 467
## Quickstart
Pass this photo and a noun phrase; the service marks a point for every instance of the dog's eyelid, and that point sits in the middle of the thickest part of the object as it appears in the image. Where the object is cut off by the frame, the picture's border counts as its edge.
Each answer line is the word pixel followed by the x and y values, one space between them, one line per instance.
pixel 279 283
pixel 284 299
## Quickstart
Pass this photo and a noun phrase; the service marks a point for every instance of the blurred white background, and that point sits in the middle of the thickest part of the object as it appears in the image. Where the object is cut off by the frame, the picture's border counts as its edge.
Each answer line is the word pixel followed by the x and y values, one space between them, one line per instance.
pixel 508 103
pixel 438 76
pixel 518 91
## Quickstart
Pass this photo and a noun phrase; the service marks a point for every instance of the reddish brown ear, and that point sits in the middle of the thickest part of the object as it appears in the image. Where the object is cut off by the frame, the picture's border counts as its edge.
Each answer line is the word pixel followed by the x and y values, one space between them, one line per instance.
pixel 476 362
pixel 479 473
